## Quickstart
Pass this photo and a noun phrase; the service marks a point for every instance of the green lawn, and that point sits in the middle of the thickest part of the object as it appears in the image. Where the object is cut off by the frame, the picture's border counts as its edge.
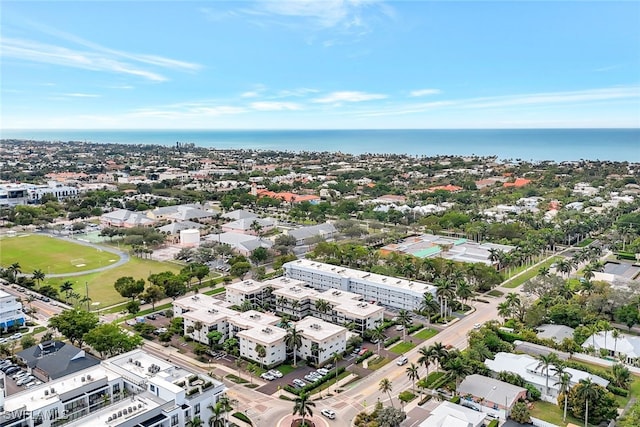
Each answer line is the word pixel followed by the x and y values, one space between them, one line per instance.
pixel 377 363
pixel 425 334
pixel 533 272
pixel 553 414
pixel 51 255
pixel 101 284
pixel 402 348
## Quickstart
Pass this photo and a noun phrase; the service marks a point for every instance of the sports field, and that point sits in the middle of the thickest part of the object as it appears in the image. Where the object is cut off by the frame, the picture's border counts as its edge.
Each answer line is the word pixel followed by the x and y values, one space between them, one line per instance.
pixel 51 255
pixel 101 284
pixel 56 256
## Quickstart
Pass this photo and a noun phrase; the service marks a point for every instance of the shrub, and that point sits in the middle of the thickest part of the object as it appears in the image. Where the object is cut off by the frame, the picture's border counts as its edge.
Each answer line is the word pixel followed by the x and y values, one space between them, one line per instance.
pixel 242 417
pixel 364 357
pixel 415 328
pixel 493 423
pixel 455 399
pixel 392 340
pixel 425 399
pixel 618 390
pixel 533 392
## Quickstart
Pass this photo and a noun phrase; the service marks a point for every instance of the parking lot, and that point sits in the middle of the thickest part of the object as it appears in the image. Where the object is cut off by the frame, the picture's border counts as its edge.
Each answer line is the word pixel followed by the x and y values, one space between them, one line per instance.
pixel 23 380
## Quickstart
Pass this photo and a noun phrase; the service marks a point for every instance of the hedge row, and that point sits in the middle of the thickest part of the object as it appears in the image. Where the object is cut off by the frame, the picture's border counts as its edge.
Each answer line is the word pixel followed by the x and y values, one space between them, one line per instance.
pixel 365 356
pixel 493 423
pixel 415 328
pixel 617 390
pixel 310 387
pixel 392 340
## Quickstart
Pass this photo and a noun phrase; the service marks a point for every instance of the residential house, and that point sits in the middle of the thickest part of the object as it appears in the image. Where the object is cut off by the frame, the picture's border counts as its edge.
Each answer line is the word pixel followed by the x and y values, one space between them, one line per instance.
pixel 51 360
pixel 489 395
pixel 625 347
pixel 448 414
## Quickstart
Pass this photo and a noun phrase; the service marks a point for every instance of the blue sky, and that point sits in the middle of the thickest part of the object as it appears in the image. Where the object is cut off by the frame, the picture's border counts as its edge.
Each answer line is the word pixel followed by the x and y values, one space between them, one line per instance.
pixel 323 64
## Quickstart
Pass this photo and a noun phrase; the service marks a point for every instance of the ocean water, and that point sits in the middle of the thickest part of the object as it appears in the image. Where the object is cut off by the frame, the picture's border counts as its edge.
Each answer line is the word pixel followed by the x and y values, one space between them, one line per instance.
pixel 525 144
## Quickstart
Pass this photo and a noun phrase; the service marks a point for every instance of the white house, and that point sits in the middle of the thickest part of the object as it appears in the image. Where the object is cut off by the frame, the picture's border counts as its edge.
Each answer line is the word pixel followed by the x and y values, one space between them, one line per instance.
pixel 271 338
pixel 625 346
pixel 527 367
pixel 489 395
pixel 449 414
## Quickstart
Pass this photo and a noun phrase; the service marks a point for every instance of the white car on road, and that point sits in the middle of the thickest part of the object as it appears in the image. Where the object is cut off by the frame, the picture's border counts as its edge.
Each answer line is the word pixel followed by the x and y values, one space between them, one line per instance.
pixel 329 414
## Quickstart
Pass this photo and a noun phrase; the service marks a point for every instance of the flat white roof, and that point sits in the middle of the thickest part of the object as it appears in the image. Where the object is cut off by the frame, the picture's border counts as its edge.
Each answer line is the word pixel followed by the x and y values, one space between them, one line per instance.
pixel 295 292
pixel 317 329
pixel 138 404
pixel 284 282
pixel 358 309
pixel 267 334
pixel 363 276
pixel 252 318
pixel 197 302
pixel 337 296
pixel 249 286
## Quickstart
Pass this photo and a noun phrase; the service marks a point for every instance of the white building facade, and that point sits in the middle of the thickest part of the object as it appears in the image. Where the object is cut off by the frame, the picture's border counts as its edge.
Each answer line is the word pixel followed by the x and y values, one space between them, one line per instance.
pixel 11 313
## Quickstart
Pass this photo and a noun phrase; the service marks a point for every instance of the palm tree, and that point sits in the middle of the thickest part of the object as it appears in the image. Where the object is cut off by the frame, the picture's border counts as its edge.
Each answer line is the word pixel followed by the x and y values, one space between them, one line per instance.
pixel 38 276
pixel 412 373
pixel 67 288
pixel 302 407
pixel 440 353
pixel 588 390
pixel 426 357
pixel 217 410
pixel 428 305
pixel 445 291
pixel 377 335
pixel 323 306
pixel 14 269
pixel 194 422
pixel 504 310
pixel 404 317
pixel 385 386
pixel 544 361
pixel 458 368
pixel 615 334
pixel 464 291
pixel 564 381
pixel 251 368
pixel 293 341
pixel 262 353
pixel 335 358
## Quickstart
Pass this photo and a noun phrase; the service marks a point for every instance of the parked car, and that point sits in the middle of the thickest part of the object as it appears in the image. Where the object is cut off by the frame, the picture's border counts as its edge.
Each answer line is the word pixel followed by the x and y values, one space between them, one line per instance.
pixel 16 336
pixel 399 327
pixel 12 370
pixel 152 317
pixel 323 371
pixel 19 375
pixel 267 376
pixel 276 373
pixel 25 380
pixel 298 382
pixel 329 414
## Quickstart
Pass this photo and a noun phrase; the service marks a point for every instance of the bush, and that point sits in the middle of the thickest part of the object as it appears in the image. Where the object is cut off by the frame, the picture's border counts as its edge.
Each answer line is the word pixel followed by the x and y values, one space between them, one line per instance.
pixel 455 399
pixel 415 328
pixel 364 357
pixel 392 340
pixel 242 417
pixel 493 423
pixel 533 392
pixel 618 390
pixel 425 399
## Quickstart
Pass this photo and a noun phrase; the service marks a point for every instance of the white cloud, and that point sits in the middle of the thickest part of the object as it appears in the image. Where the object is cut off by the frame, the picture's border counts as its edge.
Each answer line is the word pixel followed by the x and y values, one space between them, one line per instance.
pixel 275 106
pixel 348 96
pixel 424 92
pixel 250 94
pixel 94 57
pixel 81 95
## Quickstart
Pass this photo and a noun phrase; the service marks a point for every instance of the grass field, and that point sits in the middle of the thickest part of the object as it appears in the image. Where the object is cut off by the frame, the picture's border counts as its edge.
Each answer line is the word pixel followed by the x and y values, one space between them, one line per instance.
pixel 101 284
pixel 425 334
pixel 402 348
pixel 51 255
pixel 530 274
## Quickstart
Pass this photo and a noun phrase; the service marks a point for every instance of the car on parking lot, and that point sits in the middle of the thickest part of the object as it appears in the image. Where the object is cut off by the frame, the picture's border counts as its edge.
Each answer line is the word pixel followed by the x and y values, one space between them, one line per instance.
pixel 328 366
pixel 362 351
pixel 25 380
pixel 267 376
pixel 323 371
pixel 298 382
pixel 12 370
pixel 16 336
pixel 399 327
pixel 329 413
pixel 152 317
pixel 275 373
pixel 160 331
pixel 19 375
pixel 3 340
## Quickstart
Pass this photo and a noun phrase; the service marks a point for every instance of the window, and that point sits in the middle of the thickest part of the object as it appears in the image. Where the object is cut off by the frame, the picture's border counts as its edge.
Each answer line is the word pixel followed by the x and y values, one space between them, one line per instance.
pixel 152 388
pixel 174 420
pixel 196 409
pixel 187 415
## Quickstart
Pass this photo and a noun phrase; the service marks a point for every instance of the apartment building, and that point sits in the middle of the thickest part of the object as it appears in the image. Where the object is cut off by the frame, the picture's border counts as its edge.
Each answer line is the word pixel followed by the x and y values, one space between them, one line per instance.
pixel 130 390
pixel 270 338
pixel 374 288
pixel 254 292
pixel 10 311
pixel 320 339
